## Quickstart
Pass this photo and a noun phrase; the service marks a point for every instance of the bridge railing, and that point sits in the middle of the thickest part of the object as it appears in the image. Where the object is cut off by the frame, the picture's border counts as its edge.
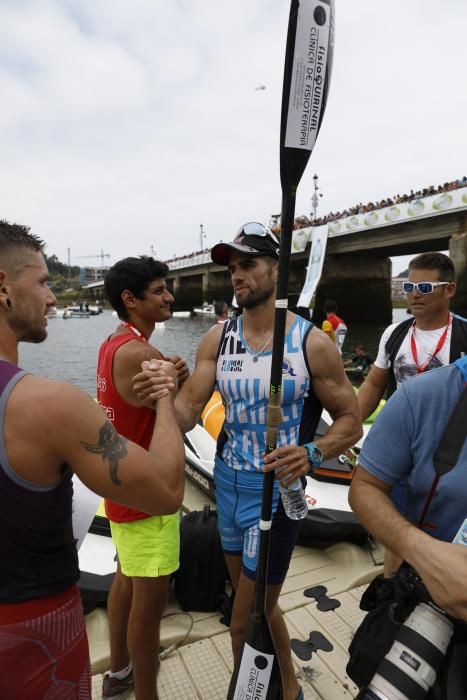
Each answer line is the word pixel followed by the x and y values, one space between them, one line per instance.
pixel 419 208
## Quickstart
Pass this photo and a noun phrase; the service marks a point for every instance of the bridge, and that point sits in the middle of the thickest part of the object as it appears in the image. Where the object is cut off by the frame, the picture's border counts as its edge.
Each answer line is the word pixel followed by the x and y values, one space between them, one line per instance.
pixel 357 267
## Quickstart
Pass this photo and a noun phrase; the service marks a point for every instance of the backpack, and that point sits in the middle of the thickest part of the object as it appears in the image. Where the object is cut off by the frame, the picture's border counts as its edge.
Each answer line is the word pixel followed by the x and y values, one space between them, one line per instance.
pixel 457 349
pixel 200 580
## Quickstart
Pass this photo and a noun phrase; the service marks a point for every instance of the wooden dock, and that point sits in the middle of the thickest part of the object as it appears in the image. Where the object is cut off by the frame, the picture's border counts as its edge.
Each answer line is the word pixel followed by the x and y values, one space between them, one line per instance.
pixel 200 669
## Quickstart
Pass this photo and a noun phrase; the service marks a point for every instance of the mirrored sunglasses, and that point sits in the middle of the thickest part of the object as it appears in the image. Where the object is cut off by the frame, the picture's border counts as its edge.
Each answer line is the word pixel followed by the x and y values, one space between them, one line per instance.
pixel 253 228
pixel 422 287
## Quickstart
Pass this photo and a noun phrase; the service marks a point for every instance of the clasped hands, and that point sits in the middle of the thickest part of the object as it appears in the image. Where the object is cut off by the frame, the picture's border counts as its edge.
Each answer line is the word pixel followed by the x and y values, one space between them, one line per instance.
pixel 159 379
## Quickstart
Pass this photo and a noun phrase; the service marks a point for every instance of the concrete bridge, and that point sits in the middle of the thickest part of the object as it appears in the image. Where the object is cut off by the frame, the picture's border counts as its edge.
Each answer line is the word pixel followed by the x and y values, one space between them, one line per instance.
pixel 357 267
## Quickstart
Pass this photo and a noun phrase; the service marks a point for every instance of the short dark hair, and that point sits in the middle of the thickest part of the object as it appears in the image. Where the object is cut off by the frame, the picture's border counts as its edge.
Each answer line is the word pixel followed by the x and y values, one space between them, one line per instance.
pixel 435 261
pixel 134 274
pixel 330 306
pixel 220 308
pixel 15 238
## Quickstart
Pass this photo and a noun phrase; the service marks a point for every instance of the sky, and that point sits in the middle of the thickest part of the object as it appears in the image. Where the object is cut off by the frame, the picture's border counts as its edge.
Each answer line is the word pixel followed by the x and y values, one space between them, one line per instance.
pixel 126 125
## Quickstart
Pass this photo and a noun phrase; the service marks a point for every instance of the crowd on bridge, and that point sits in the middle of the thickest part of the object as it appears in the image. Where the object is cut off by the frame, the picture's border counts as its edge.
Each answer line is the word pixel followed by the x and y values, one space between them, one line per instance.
pixel 303 221
pixel 360 208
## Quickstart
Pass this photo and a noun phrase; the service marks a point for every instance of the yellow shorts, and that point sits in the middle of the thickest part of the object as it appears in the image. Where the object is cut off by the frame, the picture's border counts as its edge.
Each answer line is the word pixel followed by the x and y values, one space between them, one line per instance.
pixel 148 547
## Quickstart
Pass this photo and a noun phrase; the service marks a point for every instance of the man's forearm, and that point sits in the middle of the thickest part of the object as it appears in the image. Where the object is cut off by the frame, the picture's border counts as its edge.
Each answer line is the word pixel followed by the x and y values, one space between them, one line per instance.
pixel 167 444
pixel 378 514
pixel 344 432
pixel 368 398
pixel 186 414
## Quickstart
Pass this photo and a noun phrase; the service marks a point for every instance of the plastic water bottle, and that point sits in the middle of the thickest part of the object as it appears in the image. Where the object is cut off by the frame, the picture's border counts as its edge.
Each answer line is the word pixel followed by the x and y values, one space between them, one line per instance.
pixel 294 500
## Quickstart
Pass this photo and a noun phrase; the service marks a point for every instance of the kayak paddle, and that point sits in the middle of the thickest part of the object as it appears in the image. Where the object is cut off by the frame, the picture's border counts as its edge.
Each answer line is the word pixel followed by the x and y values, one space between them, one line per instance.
pixel 307 72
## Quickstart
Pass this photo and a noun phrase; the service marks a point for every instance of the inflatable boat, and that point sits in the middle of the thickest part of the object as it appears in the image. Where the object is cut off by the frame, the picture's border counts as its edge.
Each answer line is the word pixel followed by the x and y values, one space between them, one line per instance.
pixel 329 519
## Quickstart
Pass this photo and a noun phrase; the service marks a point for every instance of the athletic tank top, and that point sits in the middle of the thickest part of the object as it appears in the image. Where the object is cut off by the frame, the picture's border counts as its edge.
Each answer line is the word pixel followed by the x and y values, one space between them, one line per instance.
pixel 38 556
pixel 133 422
pixel 243 379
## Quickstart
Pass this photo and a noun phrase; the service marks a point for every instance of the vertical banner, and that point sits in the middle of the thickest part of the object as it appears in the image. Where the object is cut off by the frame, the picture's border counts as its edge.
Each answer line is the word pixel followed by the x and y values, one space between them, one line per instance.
pixel 315 264
pixel 307 93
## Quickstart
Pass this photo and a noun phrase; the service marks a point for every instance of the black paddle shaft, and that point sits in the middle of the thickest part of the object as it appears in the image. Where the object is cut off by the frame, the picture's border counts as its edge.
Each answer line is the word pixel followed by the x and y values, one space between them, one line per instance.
pixel 316 64
pixel 307 72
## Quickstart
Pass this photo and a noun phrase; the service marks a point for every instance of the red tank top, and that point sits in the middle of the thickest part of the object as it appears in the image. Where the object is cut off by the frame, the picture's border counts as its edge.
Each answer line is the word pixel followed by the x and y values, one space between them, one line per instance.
pixel 133 422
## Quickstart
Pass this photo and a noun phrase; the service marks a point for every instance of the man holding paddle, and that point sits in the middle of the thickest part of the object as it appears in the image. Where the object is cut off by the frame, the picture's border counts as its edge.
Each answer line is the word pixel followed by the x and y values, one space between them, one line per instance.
pixel 236 357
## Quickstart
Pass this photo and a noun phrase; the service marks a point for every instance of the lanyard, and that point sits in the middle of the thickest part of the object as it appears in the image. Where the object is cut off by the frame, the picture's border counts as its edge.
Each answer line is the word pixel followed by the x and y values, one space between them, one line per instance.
pixel 134 330
pixel 141 336
pixel 441 341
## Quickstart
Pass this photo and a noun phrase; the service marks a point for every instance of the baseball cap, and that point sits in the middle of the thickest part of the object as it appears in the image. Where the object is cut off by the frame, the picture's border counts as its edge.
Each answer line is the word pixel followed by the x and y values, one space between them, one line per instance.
pixel 251 239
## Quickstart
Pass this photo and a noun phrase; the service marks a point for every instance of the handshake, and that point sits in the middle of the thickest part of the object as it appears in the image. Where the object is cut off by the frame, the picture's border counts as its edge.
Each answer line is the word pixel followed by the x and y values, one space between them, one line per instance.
pixel 159 379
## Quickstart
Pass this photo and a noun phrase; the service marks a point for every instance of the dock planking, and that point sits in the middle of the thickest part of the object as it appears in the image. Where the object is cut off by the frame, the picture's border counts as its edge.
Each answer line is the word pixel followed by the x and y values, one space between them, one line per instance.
pixel 200 669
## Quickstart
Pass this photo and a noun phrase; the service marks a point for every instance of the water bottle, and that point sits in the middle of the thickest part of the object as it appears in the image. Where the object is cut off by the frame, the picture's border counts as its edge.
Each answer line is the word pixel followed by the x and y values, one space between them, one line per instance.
pixel 294 500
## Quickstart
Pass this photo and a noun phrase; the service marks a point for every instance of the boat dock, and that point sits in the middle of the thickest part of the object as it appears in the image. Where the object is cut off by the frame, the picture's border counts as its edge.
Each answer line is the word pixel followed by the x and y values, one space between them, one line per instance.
pixel 201 667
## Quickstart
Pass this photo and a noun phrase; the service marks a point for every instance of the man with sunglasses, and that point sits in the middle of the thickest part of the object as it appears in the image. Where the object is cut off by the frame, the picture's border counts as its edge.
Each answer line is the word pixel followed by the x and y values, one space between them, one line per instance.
pixel 236 357
pixel 432 338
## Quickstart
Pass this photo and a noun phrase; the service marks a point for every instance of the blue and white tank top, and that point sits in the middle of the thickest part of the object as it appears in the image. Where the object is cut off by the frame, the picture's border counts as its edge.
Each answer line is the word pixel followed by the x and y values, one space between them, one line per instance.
pixel 243 379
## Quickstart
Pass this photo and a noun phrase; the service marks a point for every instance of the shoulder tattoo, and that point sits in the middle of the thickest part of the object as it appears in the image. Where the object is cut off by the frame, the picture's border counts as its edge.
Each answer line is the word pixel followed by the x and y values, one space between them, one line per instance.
pixel 111 446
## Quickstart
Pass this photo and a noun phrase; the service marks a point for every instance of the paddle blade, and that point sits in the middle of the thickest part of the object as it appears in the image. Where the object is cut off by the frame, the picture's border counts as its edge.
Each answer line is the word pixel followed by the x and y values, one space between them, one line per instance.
pixel 307 74
pixel 258 674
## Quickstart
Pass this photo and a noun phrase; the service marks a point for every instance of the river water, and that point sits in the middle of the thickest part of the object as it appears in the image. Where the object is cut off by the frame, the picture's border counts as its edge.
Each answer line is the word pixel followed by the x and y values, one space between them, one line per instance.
pixel 70 352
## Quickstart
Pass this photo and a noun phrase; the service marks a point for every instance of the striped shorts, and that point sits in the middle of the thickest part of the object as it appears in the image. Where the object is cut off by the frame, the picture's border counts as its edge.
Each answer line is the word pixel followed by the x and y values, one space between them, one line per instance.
pixel 238 504
pixel 45 655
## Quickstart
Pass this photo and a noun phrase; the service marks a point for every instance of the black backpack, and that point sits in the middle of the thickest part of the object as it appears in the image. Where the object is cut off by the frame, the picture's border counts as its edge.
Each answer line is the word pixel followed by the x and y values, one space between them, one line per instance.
pixel 200 580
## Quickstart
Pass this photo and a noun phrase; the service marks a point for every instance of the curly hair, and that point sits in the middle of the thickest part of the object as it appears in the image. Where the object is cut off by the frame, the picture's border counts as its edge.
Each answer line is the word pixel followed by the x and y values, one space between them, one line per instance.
pixel 134 274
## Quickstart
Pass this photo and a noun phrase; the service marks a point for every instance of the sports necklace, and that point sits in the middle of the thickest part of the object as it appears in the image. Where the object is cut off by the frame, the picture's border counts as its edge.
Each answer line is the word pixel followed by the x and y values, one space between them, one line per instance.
pixel 257 353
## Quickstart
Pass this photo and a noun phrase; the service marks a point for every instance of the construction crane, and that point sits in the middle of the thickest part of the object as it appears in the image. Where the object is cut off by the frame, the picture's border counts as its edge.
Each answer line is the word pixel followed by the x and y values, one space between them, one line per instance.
pixel 101 255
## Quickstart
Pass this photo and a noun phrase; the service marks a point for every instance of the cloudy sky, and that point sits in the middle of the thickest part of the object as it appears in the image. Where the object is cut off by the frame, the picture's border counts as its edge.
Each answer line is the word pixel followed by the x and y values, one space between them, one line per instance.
pixel 124 125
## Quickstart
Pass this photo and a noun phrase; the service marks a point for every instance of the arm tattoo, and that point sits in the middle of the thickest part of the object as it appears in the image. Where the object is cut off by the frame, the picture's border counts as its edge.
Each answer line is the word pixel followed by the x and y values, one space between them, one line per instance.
pixel 111 446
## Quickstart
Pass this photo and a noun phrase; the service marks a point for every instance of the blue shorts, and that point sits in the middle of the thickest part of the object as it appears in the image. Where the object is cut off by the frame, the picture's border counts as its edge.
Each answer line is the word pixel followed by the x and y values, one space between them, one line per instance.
pixel 238 503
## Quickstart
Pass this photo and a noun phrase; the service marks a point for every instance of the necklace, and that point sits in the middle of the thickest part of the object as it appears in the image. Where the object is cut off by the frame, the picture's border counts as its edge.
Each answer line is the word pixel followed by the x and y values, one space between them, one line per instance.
pixel 257 353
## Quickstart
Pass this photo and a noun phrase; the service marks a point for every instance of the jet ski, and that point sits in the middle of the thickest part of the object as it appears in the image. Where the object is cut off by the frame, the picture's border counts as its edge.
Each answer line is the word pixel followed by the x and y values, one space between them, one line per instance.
pixel 330 518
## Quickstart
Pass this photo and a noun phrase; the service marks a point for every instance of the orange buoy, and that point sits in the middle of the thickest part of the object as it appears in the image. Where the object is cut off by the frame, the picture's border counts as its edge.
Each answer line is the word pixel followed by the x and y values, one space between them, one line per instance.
pixel 213 415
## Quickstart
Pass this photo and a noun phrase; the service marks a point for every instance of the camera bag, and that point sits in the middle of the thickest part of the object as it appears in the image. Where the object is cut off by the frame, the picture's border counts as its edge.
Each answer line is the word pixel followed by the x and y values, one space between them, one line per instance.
pixel 389 601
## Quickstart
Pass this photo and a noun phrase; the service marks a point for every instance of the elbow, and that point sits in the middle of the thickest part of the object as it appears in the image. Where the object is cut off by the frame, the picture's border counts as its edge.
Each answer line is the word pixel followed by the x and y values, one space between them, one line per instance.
pixel 177 500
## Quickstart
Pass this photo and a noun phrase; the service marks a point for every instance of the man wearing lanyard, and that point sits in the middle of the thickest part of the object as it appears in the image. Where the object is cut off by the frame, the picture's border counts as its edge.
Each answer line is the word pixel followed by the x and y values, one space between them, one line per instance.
pixel 433 338
pixel 147 547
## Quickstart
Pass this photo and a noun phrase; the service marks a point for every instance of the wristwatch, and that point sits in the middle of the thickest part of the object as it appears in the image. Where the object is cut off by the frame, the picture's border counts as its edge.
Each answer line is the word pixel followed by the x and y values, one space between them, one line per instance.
pixel 315 456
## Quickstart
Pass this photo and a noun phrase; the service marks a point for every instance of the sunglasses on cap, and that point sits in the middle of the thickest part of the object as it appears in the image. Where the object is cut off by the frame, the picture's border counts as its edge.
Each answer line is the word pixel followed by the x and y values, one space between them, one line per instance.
pixel 422 287
pixel 253 228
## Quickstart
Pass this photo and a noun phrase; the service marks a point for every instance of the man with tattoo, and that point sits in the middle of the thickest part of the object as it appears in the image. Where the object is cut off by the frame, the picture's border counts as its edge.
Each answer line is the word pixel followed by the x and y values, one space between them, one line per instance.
pixel 48 430
pixel 148 547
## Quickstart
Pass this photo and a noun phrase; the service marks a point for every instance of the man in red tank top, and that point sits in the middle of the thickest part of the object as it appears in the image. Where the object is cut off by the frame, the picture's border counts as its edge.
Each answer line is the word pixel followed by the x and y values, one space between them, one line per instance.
pixel 147 546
